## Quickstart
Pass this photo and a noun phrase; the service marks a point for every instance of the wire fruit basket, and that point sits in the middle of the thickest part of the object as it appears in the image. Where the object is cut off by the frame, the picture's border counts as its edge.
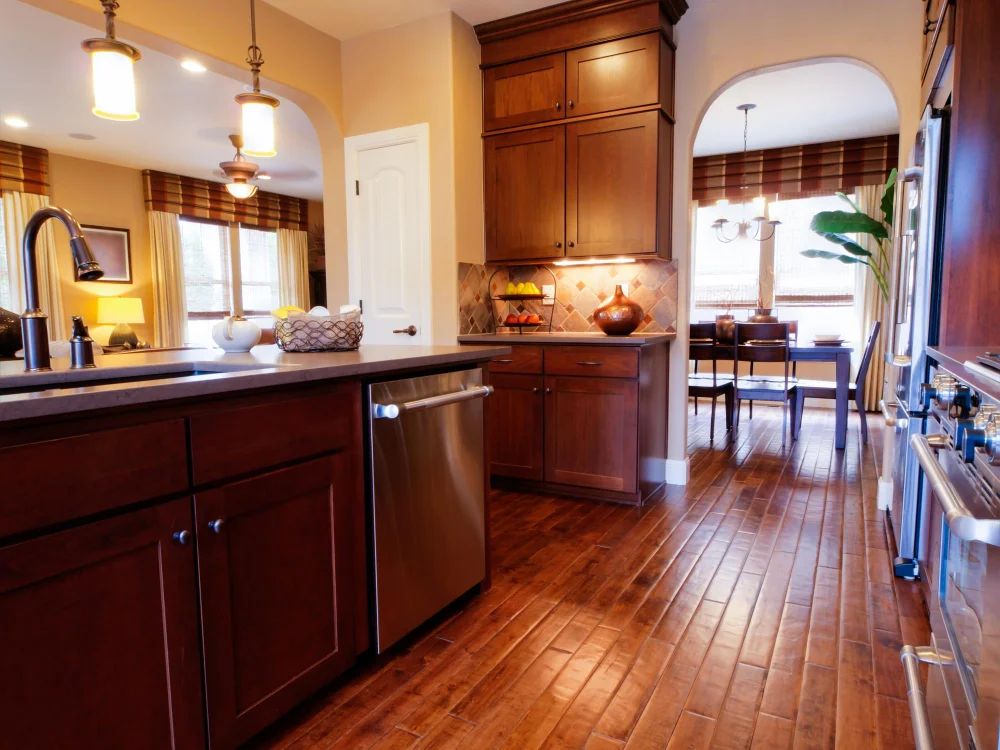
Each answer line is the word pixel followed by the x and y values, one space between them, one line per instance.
pixel 338 333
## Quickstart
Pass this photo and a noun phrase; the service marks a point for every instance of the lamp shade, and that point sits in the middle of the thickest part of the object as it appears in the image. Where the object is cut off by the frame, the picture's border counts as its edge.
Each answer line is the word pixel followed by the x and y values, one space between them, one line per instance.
pixel 114 310
pixel 258 123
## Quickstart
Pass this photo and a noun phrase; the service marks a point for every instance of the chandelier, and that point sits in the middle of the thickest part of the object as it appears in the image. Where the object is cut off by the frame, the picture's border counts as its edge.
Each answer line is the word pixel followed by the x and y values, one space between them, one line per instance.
pixel 752 229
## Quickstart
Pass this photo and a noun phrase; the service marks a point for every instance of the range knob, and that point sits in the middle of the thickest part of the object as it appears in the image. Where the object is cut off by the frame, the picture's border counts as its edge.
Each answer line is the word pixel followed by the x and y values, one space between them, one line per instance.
pixel 991 441
pixel 941 390
pixel 984 415
pixel 962 401
pixel 971 439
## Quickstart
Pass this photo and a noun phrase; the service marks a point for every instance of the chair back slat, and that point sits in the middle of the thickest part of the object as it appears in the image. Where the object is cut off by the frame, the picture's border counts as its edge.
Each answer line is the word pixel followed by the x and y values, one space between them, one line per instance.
pixel 701 342
pixel 774 334
pixel 866 358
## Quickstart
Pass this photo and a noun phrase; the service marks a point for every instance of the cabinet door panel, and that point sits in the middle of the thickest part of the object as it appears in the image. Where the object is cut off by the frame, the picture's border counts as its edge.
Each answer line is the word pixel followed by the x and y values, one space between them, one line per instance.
pixel 100 633
pixel 525 92
pixel 526 195
pixel 591 433
pixel 615 75
pixel 515 419
pixel 276 592
pixel 611 170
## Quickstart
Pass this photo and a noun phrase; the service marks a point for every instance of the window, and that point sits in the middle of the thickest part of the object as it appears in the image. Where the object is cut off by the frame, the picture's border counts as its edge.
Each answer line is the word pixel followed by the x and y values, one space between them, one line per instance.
pixel 725 274
pixel 228 269
pixel 259 270
pixel 6 298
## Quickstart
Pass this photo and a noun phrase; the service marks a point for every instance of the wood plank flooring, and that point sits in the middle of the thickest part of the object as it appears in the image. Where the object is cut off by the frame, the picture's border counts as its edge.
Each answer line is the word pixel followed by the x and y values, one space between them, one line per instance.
pixel 754 608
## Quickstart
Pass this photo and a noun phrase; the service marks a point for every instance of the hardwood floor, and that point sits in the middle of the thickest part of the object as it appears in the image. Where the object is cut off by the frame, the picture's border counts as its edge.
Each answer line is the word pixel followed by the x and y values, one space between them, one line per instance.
pixel 754 608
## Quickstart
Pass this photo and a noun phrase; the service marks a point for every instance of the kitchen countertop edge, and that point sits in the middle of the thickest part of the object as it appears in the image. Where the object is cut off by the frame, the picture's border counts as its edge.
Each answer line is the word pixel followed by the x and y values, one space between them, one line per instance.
pixel 274 368
pixel 591 339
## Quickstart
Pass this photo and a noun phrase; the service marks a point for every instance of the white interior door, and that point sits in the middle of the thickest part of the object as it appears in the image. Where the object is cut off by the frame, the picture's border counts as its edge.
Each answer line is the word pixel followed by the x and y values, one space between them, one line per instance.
pixel 389 233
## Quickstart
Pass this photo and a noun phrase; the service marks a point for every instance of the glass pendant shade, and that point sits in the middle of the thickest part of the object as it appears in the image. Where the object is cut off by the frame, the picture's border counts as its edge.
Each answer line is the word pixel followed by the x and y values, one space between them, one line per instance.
pixel 241 190
pixel 114 80
pixel 258 124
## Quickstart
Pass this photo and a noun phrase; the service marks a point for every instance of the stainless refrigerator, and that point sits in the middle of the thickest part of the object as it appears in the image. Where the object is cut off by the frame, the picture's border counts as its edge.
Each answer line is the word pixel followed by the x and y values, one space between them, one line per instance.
pixel 915 310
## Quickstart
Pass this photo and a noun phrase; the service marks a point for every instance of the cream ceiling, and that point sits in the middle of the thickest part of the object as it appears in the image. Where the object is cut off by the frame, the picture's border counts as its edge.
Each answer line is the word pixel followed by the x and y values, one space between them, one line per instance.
pixel 348 18
pixel 184 122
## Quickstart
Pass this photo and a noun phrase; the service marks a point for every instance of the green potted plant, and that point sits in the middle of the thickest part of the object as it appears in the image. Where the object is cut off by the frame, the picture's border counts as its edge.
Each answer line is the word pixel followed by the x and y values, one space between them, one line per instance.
pixel 837 226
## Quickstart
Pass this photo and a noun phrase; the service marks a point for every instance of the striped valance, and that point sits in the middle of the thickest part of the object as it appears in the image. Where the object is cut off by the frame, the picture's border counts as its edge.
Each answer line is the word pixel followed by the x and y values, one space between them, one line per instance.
pixel 828 167
pixel 24 169
pixel 189 196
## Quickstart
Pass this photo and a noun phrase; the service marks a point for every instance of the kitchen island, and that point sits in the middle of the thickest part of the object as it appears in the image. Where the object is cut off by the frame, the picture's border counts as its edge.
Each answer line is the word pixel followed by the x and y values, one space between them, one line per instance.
pixel 579 414
pixel 183 540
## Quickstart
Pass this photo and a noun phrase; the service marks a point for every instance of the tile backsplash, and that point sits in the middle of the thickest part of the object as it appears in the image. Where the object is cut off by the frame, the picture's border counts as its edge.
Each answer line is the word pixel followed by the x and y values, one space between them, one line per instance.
pixel 579 289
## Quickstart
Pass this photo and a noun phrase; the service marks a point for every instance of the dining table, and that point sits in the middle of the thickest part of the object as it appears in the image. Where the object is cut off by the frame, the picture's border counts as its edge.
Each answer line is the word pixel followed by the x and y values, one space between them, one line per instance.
pixel 808 351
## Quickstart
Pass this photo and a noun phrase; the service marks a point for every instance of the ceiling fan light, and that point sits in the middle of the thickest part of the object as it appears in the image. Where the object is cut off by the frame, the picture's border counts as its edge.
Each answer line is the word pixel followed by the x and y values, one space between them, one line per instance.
pixel 258 124
pixel 241 189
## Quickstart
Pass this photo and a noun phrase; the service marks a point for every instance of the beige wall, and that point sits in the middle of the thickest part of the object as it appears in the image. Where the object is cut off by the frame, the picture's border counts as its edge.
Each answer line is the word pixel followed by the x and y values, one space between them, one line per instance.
pixel 302 65
pixel 108 196
pixel 720 41
pixel 427 71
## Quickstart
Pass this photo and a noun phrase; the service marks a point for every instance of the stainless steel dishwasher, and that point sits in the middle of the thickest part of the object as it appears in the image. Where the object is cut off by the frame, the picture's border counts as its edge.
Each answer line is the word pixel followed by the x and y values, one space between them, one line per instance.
pixel 428 486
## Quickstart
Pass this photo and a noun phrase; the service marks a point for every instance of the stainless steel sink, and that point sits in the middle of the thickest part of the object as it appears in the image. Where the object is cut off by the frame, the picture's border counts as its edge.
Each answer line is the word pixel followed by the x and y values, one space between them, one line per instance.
pixel 69 379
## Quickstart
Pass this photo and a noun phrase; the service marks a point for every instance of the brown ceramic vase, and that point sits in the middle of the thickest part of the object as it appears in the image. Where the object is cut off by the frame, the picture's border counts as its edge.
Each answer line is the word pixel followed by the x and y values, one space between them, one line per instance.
pixel 618 315
pixel 725 328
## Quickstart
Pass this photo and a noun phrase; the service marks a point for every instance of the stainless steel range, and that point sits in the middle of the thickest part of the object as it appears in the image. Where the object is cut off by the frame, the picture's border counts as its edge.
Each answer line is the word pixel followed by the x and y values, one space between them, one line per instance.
pixel 959 459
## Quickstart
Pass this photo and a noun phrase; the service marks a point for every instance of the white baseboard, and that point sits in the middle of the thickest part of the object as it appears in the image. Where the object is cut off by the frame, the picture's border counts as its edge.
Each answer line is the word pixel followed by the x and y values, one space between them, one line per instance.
pixel 678 471
pixel 884 499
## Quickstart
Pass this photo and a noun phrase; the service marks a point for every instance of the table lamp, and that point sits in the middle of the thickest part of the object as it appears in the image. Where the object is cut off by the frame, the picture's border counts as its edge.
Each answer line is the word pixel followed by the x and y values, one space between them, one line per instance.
pixel 120 312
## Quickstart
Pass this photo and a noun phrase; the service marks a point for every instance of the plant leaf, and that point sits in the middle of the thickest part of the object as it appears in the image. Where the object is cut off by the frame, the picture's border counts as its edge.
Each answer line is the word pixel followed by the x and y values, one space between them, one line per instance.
pixel 889 197
pixel 850 202
pixel 845 242
pixel 830 255
pixel 845 222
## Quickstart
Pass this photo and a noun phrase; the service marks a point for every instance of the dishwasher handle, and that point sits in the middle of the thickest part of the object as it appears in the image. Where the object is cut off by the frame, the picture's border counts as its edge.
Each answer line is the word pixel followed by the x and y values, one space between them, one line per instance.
pixel 961 521
pixel 392 411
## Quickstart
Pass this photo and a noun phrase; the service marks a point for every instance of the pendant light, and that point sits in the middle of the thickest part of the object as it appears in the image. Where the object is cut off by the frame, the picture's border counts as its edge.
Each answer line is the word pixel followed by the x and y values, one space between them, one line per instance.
pixel 258 109
pixel 111 61
pixel 239 170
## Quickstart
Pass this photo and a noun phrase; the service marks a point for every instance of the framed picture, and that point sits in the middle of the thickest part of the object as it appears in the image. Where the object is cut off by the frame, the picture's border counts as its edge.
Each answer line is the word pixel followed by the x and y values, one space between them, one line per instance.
pixel 113 251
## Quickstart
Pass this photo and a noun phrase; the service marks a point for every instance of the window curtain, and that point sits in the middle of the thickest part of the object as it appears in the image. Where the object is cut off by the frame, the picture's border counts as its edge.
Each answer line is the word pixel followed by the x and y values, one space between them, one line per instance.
pixel 293 268
pixel 17 209
pixel 170 318
pixel 869 302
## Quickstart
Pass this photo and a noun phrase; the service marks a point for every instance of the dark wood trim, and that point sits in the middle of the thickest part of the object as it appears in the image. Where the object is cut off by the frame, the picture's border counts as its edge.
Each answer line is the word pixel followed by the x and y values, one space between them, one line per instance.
pixel 583 118
pixel 566 490
pixel 573 10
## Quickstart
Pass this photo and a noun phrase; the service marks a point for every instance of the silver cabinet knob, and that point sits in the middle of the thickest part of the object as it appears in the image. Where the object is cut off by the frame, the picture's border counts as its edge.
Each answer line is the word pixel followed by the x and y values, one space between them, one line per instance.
pixel 548 390
pixel 409 330
pixel 216 525
pixel 182 537
pixel 534 390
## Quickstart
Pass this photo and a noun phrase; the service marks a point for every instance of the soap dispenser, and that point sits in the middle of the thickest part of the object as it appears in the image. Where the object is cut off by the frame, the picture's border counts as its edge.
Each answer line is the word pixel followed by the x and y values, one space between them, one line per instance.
pixel 81 346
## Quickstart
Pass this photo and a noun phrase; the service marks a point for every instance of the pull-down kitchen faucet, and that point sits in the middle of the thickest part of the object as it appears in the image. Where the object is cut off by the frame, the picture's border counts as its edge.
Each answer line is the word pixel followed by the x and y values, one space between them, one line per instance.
pixel 34 323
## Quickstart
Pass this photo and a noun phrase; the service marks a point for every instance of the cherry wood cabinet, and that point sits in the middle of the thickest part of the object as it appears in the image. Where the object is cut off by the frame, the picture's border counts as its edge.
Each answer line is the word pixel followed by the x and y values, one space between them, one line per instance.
pixel 99 627
pixel 615 75
pixel 524 92
pixel 587 420
pixel 578 104
pixel 275 567
pixel 611 185
pixel 516 444
pixel 591 434
pixel 525 195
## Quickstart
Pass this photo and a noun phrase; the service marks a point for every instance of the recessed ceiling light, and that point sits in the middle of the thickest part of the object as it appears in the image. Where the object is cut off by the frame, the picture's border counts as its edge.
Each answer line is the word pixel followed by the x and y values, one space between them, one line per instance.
pixel 193 66
pixel 15 122
pixel 263 176
pixel 82 136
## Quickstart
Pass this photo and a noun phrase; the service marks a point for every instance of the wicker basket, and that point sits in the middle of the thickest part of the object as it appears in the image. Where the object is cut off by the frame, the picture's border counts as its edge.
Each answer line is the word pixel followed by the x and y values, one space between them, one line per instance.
pixel 310 335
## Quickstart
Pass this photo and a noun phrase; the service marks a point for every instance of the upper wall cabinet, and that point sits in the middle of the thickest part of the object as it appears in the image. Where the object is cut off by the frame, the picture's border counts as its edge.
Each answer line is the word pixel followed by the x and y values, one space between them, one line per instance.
pixel 578 105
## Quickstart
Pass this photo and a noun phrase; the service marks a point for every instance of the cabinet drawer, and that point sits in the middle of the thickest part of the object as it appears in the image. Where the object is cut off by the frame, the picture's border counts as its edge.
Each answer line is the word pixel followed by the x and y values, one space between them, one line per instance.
pixel 54 481
pixel 592 361
pixel 253 437
pixel 523 359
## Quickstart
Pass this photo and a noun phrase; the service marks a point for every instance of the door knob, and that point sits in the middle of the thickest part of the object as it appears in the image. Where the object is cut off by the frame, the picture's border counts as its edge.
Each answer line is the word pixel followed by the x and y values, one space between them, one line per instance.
pixel 182 537
pixel 409 330
pixel 216 525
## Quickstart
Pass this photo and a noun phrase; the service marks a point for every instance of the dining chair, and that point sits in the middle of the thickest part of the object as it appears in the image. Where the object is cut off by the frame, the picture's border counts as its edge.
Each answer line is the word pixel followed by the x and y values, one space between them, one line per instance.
pixel 695 366
pixel 827 389
pixel 793 338
pixel 764 342
pixel 702 348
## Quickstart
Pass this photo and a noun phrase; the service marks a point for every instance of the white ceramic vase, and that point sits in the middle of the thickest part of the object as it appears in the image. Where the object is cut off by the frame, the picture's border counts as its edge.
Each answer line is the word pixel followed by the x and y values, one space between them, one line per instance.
pixel 236 334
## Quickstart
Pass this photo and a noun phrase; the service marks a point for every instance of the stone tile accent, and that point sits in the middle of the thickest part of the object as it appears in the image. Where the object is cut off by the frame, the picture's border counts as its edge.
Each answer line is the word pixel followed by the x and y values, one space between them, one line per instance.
pixel 579 289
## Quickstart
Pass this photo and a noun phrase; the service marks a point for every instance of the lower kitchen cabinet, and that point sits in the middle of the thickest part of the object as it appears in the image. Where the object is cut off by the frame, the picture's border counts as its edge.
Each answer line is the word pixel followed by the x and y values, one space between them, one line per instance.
pixel 275 565
pixel 99 634
pixel 591 435
pixel 516 434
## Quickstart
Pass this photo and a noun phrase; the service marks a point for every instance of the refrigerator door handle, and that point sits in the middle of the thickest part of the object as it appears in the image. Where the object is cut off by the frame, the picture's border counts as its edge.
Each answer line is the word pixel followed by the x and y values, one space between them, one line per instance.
pixel 922 738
